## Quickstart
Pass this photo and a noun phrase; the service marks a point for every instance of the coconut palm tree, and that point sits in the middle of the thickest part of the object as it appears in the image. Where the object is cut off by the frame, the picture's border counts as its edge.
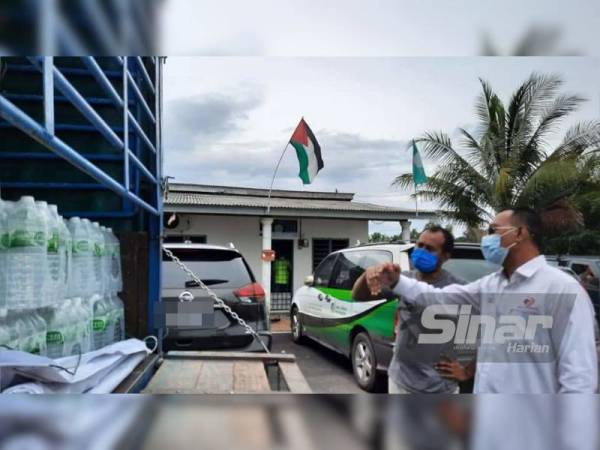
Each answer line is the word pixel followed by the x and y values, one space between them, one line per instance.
pixel 507 161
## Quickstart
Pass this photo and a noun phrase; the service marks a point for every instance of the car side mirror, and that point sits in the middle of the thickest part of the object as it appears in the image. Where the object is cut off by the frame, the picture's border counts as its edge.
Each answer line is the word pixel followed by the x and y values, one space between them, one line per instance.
pixel 309 280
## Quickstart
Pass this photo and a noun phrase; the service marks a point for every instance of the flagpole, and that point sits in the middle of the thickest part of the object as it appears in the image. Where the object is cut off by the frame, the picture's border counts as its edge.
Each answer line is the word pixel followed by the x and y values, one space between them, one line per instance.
pixel 273 179
pixel 416 202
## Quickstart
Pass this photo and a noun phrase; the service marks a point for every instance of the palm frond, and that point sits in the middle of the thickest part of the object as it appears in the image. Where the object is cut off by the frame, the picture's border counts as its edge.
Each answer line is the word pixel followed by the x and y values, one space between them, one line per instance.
pixel 404 181
pixel 580 138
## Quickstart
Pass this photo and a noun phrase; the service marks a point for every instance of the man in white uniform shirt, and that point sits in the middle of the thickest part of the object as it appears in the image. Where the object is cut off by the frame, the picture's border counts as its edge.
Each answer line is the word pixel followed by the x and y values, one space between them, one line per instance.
pixel 526 295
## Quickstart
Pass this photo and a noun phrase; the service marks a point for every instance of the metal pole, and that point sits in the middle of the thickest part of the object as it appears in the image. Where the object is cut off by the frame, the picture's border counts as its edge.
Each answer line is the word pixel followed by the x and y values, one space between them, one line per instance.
pixel 273 179
pixel 416 202
pixel 48 73
pixel 125 127
pixel 20 120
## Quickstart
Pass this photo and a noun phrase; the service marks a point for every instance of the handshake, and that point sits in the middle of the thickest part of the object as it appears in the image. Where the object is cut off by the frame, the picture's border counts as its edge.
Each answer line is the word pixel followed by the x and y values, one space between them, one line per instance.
pixel 382 276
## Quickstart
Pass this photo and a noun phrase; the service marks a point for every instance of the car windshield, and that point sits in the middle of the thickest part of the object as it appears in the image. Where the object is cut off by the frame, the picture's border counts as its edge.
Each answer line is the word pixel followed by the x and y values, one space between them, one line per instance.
pixel 218 268
pixel 470 269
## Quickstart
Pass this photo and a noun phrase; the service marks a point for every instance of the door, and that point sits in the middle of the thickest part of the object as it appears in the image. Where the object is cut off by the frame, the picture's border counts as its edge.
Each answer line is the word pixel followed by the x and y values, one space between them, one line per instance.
pixel 282 275
pixel 341 313
pixel 314 298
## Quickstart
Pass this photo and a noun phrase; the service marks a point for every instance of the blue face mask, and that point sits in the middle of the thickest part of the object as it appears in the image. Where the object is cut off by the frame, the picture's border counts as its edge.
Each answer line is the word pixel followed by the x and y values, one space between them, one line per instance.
pixel 492 249
pixel 424 261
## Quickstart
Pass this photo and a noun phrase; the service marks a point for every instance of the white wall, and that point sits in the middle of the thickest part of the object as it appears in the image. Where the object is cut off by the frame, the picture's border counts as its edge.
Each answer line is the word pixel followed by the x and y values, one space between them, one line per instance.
pixel 244 232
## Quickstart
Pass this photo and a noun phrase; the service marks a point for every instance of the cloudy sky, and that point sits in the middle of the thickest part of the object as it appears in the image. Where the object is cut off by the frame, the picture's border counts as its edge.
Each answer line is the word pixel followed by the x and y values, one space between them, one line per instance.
pixel 228 118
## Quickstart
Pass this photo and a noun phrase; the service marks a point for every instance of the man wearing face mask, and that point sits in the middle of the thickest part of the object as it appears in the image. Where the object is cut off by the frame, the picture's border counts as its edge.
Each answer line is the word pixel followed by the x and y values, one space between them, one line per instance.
pixel 561 357
pixel 412 369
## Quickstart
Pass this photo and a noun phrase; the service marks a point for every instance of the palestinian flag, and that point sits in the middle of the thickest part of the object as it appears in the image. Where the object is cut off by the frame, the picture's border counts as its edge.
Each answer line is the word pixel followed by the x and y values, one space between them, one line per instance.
pixel 308 151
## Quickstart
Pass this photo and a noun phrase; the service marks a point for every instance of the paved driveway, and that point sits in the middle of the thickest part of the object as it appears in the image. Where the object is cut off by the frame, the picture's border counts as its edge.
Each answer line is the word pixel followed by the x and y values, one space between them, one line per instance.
pixel 327 372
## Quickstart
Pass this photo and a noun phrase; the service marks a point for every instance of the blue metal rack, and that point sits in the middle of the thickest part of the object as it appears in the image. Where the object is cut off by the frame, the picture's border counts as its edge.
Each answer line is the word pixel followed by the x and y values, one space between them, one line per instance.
pixel 132 94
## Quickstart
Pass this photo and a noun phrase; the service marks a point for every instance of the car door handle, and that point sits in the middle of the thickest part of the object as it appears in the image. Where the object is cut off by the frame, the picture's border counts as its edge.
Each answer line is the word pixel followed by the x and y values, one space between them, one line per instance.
pixel 320 297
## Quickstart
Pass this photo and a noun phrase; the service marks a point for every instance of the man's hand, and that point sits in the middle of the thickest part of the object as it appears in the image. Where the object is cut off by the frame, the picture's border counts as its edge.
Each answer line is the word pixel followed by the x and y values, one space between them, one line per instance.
pixel 453 370
pixel 381 276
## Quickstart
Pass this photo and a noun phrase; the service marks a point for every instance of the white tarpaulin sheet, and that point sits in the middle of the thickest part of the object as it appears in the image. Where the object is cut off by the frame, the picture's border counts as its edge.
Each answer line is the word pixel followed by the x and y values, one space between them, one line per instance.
pixel 100 371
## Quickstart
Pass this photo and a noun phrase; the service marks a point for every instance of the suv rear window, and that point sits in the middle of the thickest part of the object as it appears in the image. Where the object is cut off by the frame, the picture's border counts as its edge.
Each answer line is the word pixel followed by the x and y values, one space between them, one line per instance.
pixel 218 268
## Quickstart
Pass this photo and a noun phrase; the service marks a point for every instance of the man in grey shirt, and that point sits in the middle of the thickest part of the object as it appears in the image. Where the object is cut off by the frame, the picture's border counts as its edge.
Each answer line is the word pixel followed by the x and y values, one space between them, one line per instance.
pixel 412 369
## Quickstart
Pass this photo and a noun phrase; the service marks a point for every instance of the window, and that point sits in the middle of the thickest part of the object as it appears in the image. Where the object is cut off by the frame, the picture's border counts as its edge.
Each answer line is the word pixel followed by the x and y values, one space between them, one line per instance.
pixel 218 268
pixel 351 265
pixel 323 247
pixel 283 228
pixel 323 272
pixel 586 274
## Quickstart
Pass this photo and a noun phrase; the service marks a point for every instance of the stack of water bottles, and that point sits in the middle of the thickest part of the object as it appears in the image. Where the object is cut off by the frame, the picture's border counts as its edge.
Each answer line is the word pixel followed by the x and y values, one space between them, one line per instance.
pixel 59 282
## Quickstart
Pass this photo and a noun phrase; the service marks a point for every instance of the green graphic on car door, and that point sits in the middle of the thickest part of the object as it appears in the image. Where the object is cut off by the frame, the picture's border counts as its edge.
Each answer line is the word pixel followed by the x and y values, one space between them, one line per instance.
pixel 341 314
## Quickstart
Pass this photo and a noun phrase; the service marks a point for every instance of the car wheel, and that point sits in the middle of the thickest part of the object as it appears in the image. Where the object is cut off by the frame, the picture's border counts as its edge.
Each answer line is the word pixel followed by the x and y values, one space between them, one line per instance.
pixel 297 327
pixel 364 363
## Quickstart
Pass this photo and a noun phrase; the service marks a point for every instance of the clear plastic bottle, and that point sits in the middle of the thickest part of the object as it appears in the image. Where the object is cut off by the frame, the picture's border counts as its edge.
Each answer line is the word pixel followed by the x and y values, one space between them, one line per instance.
pixel 98 257
pixel 82 267
pixel 106 261
pixel 81 322
pixel 3 250
pixel 88 317
pixel 24 330
pixel 5 337
pixel 26 254
pixel 52 272
pixel 118 318
pixel 55 334
pixel 68 254
pixel 115 266
pixel 102 322
pixel 13 331
pixel 63 239
pixel 39 334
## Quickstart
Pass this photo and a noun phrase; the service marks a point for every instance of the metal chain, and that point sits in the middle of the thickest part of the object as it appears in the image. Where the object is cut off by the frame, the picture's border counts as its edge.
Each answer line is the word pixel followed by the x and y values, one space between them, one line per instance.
pixel 216 299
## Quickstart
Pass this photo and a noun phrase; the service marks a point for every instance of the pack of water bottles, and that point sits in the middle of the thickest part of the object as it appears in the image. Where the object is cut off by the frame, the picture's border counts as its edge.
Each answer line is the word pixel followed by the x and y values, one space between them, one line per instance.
pixel 59 281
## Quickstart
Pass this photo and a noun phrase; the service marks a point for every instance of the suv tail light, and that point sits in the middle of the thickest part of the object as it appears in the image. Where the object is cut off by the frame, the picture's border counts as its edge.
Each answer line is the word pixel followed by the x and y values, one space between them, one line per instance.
pixel 250 293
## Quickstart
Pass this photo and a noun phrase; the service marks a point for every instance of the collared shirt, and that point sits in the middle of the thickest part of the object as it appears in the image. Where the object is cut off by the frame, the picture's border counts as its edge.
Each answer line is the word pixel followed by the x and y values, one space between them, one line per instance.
pixel 561 357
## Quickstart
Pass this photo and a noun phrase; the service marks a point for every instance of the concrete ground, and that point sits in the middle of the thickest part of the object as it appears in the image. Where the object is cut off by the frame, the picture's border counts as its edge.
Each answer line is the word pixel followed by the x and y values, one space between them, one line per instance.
pixel 326 371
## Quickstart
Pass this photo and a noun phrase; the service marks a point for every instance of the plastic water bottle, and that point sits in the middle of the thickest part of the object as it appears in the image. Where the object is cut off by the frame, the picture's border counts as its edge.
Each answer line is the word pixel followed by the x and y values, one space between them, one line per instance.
pixel 5 337
pixel 68 254
pixel 106 261
pixel 87 314
pixel 116 277
pixel 55 334
pixel 98 258
pixel 101 322
pixel 12 326
pixel 82 267
pixel 118 318
pixel 63 238
pixel 24 331
pixel 81 324
pixel 39 333
pixel 3 250
pixel 52 272
pixel 26 254
pixel 69 328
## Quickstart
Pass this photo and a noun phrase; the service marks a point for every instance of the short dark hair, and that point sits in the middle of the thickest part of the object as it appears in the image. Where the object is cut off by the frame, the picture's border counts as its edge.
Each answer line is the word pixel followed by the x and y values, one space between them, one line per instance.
pixel 448 237
pixel 529 218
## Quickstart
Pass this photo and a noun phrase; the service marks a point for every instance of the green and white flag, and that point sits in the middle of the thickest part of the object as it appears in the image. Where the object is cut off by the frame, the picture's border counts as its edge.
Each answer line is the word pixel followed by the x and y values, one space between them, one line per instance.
pixel 419 176
pixel 308 151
